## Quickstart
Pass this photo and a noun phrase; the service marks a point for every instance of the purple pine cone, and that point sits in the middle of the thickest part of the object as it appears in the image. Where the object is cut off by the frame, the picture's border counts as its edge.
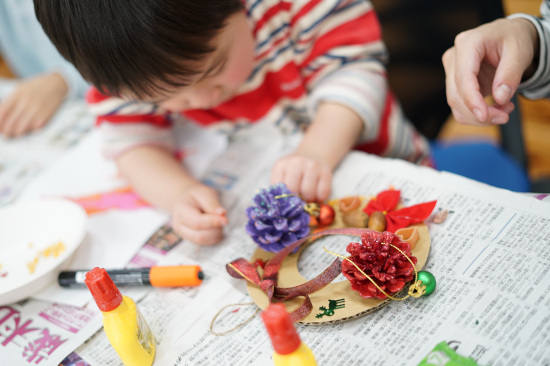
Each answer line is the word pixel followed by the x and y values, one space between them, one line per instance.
pixel 275 222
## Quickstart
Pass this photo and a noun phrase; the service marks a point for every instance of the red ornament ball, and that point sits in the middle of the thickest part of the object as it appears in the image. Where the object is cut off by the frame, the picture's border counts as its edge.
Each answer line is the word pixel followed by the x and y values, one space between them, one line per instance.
pixel 389 269
pixel 326 215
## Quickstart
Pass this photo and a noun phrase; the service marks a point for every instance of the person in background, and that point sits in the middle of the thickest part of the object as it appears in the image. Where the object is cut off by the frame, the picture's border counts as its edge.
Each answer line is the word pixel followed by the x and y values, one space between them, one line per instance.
pixel 498 59
pixel 45 78
pixel 231 63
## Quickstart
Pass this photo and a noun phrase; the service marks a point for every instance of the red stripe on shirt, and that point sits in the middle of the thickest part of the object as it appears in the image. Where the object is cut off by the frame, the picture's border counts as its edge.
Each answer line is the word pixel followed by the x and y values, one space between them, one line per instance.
pixel 362 30
pixel 270 13
pixel 153 119
pixel 258 102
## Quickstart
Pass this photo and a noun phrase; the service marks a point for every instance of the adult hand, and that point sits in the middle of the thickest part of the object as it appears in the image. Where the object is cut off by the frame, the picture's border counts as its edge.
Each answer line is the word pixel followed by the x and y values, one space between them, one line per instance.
pixel 32 104
pixel 488 60
pixel 307 176
pixel 198 215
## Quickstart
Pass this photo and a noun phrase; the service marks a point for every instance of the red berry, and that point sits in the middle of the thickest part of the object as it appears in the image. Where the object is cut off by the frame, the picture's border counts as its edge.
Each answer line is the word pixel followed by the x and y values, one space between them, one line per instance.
pixel 259 263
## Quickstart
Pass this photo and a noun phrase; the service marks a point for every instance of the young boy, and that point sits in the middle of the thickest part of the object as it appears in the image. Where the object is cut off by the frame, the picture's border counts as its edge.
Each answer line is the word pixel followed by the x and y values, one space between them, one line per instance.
pixel 230 61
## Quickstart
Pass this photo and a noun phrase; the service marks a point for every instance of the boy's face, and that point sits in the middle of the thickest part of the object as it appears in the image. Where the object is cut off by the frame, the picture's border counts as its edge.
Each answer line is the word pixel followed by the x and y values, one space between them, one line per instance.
pixel 225 70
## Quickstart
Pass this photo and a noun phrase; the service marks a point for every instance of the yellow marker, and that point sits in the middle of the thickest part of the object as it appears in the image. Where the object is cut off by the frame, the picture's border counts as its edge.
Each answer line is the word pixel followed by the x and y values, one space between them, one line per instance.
pixel 124 325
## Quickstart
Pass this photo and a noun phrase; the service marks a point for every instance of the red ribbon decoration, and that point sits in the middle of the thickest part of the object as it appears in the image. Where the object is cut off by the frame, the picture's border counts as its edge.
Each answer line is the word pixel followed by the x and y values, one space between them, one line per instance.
pixel 268 282
pixel 386 201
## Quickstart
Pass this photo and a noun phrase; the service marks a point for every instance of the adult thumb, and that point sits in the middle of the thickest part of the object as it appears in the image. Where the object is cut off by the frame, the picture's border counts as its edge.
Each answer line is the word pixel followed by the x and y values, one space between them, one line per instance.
pixel 507 78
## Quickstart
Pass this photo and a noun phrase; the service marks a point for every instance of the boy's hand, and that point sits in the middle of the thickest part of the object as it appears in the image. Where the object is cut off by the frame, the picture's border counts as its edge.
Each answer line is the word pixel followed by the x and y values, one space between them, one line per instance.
pixel 309 177
pixel 198 215
pixel 32 104
pixel 488 60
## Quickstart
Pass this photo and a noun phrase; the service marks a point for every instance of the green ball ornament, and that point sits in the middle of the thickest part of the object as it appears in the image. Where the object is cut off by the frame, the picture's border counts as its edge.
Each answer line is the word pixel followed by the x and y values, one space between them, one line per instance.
pixel 428 280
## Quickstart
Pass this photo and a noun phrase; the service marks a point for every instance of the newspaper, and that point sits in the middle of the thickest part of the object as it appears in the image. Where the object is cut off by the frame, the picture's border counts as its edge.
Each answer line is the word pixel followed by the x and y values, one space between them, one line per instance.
pixel 490 258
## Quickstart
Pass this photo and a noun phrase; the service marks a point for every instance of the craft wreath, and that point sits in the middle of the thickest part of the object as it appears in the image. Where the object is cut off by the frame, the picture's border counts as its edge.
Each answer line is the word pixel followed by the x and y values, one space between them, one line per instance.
pixel 281 281
pixel 381 266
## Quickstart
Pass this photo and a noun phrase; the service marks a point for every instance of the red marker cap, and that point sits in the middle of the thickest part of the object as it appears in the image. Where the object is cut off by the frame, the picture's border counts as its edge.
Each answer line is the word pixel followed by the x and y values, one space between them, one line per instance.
pixel 281 330
pixel 105 293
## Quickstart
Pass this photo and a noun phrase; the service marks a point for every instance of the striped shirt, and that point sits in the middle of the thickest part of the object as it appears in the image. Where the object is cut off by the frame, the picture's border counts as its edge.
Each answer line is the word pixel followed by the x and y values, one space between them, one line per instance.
pixel 538 85
pixel 306 52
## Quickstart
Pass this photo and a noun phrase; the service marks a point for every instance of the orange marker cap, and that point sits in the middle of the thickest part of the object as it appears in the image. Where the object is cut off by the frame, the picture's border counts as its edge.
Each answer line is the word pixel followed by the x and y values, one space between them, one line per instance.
pixel 176 276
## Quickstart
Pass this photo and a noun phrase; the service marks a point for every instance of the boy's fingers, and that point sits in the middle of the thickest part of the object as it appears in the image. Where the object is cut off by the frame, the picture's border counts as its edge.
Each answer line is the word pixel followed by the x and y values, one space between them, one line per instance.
pixel 308 186
pixel 203 237
pixel 292 180
pixel 277 174
pixel 209 203
pixel 194 218
pixel 324 185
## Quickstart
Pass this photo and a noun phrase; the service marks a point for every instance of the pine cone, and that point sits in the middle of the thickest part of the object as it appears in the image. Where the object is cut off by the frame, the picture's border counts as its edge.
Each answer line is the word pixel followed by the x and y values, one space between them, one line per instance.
pixel 382 263
pixel 274 223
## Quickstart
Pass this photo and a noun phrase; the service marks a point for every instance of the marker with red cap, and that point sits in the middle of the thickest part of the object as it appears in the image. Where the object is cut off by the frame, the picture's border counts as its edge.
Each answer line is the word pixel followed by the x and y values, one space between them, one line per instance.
pixel 289 349
pixel 124 325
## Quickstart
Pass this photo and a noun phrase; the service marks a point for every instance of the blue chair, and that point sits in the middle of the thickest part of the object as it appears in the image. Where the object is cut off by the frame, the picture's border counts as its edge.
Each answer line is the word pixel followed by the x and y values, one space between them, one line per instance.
pixel 503 166
pixel 482 161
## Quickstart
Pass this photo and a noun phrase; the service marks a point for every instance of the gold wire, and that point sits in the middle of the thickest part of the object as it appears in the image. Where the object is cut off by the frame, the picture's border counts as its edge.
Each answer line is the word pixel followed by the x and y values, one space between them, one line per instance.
pixel 416 286
pixel 285 195
pixel 239 272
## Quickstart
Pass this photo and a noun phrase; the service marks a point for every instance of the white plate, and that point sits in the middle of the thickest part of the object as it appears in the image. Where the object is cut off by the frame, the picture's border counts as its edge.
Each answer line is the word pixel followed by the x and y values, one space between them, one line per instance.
pixel 41 234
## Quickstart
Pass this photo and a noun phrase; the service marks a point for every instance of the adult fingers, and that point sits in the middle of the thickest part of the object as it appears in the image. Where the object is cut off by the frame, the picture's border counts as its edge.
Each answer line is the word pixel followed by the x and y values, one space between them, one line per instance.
pixel 454 99
pixel 460 111
pixel 468 57
pixel 507 77
pixel 500 114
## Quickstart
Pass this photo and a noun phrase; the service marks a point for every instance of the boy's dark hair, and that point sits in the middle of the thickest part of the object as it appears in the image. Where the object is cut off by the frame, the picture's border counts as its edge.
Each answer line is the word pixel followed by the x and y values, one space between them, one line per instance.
pixel 139 46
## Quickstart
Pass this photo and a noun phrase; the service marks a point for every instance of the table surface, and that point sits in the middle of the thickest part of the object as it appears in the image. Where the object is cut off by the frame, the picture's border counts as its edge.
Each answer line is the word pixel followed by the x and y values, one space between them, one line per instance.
pixel 489 258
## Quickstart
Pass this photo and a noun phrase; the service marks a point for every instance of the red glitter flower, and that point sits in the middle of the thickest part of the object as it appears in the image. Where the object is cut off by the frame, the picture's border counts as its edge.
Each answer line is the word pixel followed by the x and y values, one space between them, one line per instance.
pixel 381 262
